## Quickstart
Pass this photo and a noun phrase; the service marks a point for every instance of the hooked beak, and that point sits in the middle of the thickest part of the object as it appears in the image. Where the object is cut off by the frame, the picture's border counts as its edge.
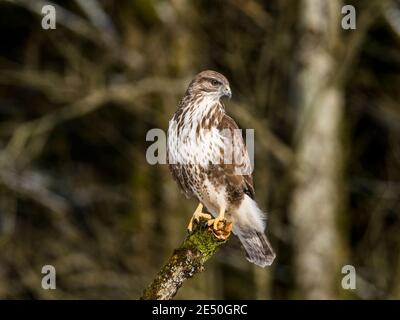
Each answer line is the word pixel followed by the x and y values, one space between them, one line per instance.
pixel 227 91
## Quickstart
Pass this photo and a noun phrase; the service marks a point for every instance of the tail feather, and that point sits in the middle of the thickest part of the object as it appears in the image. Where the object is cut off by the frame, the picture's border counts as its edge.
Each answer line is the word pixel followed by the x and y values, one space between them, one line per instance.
pixel 258 249
pixel 249 227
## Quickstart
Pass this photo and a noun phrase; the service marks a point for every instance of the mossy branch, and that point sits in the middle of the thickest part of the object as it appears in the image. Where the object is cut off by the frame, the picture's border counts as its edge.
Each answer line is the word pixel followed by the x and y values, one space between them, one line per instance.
pixel 185 262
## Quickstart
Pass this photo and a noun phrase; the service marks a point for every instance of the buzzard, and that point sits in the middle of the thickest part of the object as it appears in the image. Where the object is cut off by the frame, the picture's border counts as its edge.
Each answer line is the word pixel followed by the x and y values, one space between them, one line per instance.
pixel 209 160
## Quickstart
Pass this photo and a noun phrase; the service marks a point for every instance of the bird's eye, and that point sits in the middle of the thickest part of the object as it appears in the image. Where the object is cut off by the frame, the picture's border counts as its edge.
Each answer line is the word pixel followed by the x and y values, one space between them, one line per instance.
pixel 215 83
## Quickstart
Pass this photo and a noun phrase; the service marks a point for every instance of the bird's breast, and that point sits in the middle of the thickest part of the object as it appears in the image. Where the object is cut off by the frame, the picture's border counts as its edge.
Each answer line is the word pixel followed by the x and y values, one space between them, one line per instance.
pixel 194 138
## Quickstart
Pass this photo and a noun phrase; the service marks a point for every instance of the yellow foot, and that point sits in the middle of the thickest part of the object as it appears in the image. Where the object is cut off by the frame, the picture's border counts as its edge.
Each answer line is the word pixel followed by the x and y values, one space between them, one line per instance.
pixel 197 215
pixel 220 227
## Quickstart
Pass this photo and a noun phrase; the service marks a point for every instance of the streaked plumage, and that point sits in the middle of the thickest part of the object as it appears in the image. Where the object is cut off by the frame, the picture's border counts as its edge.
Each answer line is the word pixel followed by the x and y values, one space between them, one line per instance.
pixel 209 160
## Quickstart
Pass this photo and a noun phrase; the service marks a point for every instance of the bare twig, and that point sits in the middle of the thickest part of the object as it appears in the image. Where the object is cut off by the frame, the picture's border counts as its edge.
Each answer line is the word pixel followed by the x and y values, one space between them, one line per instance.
pixel 391 12
pixel 32 185
pixel 65 17
pixel 269 141
pixel 30 136
pixel 100 20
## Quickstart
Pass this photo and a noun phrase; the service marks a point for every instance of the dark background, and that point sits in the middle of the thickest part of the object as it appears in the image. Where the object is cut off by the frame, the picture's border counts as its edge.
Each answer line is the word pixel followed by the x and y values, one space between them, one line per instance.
pixel 76 103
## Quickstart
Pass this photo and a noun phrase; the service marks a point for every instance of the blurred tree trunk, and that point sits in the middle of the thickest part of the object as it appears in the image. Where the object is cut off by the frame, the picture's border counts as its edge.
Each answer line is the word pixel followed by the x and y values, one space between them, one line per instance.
pixel 316 197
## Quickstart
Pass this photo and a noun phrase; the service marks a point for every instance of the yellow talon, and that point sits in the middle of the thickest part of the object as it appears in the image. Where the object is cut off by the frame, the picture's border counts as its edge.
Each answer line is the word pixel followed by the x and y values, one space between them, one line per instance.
pixel 197 215
pixel 220 227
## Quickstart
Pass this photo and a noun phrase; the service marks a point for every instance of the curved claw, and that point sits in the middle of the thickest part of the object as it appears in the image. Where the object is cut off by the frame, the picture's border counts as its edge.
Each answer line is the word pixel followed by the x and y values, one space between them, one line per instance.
pixel 220 228
pixel 196 218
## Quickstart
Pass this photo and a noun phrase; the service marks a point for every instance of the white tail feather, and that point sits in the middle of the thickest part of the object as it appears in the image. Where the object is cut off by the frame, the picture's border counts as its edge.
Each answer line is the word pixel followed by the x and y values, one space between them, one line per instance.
pixel 250 215
pixel 249 227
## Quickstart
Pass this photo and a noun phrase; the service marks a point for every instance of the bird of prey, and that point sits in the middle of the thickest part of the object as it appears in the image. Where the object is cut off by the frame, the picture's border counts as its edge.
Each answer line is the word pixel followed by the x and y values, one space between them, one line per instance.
pixel 209 160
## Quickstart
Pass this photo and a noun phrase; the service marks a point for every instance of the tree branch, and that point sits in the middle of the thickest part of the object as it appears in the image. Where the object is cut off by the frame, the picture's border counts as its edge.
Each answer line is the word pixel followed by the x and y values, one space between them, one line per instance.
pixel 185 262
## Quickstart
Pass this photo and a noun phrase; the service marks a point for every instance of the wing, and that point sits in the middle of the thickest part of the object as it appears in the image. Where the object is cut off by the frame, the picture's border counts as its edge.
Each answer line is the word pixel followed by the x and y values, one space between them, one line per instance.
pixel 180 174
pixel 238 171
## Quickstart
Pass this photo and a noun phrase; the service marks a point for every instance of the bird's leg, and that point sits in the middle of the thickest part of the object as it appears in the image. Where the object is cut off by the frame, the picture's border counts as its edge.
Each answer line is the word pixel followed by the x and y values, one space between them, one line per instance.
pixel 221 228
pixel 221 217
pixel 198 213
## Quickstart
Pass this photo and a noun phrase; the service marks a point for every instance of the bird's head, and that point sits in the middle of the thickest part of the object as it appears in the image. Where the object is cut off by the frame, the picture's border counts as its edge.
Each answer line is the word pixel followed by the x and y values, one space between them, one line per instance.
pixel 210 83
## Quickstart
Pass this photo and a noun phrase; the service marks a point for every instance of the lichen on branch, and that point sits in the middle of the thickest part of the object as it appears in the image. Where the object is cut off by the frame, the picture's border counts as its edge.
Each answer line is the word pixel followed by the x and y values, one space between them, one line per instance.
pixel 185 262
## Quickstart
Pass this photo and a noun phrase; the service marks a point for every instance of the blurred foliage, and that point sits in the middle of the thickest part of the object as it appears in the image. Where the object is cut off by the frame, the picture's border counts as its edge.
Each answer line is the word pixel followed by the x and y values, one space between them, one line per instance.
pixel 76 103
